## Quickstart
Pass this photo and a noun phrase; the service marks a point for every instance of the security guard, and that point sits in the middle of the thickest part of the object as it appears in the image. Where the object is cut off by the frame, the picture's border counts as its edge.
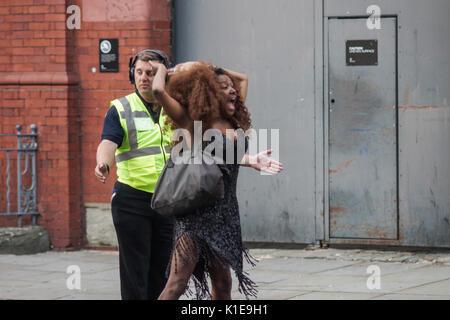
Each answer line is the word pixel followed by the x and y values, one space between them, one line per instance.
pixel 133 134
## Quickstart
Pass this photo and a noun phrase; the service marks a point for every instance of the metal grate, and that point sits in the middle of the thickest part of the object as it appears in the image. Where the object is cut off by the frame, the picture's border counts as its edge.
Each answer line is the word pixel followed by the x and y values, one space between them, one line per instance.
pixel 25 156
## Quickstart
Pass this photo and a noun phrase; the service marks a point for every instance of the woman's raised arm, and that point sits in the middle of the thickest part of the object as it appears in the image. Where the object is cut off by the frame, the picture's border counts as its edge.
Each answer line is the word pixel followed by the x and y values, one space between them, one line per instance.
pixel 243 79
pixel 171 106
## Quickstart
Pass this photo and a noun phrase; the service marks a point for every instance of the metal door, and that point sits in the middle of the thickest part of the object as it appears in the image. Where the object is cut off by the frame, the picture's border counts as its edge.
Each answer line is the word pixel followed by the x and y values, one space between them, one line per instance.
pixel 278 59
pixel 362 129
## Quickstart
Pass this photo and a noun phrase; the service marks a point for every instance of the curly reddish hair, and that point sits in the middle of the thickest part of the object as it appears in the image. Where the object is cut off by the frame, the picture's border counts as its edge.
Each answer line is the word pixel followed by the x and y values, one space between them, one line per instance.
pixel 198 91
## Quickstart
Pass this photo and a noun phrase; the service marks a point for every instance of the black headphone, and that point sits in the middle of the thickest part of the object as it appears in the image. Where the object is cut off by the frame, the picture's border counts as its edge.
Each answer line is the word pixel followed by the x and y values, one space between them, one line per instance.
pixel 133 61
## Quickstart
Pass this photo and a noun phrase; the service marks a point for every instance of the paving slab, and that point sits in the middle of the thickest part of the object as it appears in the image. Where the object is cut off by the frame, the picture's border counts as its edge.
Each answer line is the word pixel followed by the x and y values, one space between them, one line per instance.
pixel 27 275
pixel 89 296
pixel 402 296
pixel 265 277
pixel 316 282
pixel 355 280
pixel 334 296
pixel 362 267
pixel 439 288
pixel 105 275
pixel 280 274
pixel 274 294
pixel 299 265
pixel 416 277
pixel 33 260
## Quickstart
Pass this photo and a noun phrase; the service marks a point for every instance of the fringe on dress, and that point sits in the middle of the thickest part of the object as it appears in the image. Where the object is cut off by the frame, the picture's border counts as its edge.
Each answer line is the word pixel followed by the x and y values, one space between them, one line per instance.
pixel 186 247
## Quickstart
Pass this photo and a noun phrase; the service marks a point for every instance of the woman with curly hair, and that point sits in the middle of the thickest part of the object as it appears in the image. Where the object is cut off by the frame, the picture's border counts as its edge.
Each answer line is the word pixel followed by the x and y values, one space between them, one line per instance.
pixel 208 242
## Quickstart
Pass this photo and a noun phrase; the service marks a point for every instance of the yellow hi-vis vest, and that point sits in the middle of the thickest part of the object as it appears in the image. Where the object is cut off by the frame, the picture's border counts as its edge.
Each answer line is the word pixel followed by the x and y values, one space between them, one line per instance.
pixel 145 147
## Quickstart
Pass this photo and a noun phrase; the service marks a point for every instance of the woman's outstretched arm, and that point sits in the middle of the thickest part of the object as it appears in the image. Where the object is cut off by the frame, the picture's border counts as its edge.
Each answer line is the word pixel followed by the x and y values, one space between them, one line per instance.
pixel 262 162
pixel 171 106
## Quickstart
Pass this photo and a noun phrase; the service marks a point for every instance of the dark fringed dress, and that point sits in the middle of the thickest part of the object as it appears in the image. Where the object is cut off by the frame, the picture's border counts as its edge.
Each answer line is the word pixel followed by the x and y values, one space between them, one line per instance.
pixel 215 234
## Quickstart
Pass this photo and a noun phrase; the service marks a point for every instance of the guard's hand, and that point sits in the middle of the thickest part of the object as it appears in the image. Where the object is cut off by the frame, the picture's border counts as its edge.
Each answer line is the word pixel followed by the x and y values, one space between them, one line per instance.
pixel 102 172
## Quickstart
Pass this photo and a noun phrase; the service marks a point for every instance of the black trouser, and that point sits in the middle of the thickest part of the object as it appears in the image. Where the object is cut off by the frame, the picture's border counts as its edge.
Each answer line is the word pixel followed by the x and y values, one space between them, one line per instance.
pixel 145 243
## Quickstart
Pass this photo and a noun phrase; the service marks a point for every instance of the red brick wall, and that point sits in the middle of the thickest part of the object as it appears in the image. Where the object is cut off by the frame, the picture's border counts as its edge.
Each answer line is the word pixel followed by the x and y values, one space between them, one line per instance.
pixel 150 29
pixel 46 78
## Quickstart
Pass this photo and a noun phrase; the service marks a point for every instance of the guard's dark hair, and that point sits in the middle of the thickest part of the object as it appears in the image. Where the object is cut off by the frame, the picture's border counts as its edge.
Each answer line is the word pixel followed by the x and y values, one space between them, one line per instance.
pixel 146 55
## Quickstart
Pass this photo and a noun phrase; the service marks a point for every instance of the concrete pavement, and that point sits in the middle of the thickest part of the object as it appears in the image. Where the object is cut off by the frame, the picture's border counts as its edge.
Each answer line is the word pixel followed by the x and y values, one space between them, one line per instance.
pixel 280 274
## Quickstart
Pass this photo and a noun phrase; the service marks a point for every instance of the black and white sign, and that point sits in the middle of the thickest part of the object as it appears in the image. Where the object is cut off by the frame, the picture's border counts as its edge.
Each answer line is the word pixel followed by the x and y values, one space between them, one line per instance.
pixel 361 52
pixel 109 55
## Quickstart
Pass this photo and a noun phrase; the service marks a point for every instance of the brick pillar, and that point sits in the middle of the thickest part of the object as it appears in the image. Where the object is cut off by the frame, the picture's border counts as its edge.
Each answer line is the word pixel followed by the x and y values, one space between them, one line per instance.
pixel 36 86
pixel 47 77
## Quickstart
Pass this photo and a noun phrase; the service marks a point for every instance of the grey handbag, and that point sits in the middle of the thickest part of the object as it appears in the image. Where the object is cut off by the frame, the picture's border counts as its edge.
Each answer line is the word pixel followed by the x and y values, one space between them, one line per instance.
pixel 183 188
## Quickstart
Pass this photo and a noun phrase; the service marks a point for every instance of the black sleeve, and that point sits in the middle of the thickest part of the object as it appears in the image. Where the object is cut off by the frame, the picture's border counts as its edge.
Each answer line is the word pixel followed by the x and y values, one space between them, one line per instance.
pixel 112 130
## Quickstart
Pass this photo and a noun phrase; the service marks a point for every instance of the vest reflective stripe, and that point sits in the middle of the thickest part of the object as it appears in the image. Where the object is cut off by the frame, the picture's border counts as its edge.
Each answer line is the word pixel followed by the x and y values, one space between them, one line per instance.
pixel 140 153
pixel 141 157
pixel 127 114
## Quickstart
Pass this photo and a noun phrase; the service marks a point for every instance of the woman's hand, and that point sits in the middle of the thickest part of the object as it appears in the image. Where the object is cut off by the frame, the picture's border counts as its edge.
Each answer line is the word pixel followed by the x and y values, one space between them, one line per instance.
pixel 159 82
pixel 185 66
pixel 156 65
pixel 243 80
pixel 262 162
